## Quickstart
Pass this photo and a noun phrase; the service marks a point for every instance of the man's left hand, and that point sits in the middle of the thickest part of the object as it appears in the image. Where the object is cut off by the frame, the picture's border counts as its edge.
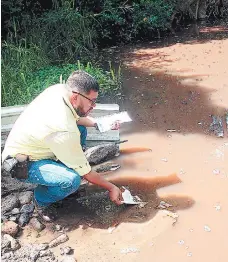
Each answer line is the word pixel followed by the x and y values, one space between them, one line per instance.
pixel 116 125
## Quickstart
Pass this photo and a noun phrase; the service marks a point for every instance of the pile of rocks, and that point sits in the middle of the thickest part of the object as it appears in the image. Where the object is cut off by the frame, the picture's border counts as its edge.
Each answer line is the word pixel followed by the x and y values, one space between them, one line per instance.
pixel 17 211
pixel 31 252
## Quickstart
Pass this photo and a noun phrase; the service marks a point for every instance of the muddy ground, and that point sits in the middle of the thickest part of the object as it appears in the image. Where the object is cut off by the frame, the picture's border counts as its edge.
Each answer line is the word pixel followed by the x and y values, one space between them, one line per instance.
pixel 171 89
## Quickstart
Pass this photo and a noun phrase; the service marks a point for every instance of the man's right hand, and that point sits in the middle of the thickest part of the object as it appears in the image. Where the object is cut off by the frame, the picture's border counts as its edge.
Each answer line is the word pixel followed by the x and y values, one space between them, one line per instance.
pixel 114 192
pixel 115 195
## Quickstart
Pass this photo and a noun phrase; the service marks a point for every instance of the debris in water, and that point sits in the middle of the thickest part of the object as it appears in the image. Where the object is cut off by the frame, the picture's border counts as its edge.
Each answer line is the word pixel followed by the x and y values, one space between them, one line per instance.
pixel 216 126
pixel 174 216
pixel 171 130
pixel 164 159
pixel 189 254
pixel 207 228
pixel 129 250
pixel 163 205
pixel 182 172
pixel 181 242
pixel 216 171
pixel 217 207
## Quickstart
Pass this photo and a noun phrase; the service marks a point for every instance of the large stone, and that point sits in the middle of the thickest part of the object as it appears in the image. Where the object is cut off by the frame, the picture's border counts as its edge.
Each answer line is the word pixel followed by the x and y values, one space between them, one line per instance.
pixel 10 185
pixel 9 202
pixel 5 244
pixel 24 219
pixel 101 153
pixel 36 224
pixel 59 240
pixel 14 243
pixel 25 197
pixel 10 228
pixel 27 208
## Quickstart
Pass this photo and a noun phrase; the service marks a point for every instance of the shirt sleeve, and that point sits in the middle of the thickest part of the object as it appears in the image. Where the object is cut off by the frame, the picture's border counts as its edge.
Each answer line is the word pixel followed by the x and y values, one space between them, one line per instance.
pixel 66 147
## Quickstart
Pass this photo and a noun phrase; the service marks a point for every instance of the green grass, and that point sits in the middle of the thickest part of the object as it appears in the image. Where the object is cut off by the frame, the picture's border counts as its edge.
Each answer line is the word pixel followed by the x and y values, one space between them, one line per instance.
pixel 21 88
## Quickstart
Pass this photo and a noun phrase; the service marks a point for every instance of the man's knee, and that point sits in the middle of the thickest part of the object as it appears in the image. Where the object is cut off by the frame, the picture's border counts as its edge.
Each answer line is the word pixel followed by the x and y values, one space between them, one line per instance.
pixel 71 184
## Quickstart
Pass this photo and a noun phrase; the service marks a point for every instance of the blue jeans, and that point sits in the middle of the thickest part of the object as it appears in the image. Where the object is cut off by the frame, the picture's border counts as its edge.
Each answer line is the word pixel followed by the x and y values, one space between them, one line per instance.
pixel 54 180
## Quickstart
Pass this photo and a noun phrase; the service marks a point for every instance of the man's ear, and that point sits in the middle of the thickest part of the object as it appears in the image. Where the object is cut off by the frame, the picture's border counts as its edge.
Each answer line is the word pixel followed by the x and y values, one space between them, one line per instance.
pixel 74 99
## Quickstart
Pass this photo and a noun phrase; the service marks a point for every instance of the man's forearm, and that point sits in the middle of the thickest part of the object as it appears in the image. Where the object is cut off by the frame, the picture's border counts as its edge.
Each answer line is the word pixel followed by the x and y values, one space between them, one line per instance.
pixel 86 121
pixel 94 178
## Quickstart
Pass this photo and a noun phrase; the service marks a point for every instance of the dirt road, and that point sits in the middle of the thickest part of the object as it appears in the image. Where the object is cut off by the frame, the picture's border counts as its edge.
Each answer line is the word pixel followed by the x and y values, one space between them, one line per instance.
pixel 171 88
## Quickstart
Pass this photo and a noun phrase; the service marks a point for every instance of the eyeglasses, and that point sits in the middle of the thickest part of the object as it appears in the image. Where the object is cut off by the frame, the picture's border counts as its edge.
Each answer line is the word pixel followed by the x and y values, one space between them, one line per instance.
pixel 93 102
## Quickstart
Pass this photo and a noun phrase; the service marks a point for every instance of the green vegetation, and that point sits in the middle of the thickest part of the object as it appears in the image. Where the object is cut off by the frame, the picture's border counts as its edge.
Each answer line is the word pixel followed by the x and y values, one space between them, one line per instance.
pixel 42 43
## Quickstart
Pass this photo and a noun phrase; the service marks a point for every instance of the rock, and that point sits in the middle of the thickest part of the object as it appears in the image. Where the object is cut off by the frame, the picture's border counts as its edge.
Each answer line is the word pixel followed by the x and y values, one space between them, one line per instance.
pixel 46 253
pixel 4 218
pixel 23 219
pixel 36 224
pixel 98 154
pixel 6 256
pixel 15 211
pixel 34 254
pixel 107 167
pixel 42 247
pixel 25 197
pixel 9 202
pixel 14 243
pixel 58 227
pixel 10 228
pixel 27 208
pixel 10 185
pixel 5 243
pixel 14 218
pixel 60 239
pixel 65 250
pixel 69 259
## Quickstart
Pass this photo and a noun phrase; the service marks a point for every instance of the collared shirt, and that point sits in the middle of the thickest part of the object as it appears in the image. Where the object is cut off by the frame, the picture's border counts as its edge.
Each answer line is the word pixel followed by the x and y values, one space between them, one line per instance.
pixel 47 129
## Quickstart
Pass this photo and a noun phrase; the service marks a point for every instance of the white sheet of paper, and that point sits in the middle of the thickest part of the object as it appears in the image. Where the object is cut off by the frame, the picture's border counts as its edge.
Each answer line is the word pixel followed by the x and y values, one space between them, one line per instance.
pixel 105 123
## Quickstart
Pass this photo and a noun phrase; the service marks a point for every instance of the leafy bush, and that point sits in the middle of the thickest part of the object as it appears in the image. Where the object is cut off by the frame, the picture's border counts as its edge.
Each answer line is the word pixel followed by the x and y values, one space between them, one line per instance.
pixel 23 88
pixel 18 61
pixel 149 16
pixel 64 34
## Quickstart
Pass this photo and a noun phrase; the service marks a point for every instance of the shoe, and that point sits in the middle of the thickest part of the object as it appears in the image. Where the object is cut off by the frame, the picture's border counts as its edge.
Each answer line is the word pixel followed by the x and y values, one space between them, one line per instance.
pixel 47 214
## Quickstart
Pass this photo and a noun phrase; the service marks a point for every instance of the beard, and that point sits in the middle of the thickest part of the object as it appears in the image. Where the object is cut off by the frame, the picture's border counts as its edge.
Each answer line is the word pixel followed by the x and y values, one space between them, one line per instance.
pixel 82 113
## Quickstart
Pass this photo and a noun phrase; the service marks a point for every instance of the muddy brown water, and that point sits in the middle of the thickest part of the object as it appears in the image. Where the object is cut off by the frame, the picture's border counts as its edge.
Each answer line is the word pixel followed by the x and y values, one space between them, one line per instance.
pixel 171 88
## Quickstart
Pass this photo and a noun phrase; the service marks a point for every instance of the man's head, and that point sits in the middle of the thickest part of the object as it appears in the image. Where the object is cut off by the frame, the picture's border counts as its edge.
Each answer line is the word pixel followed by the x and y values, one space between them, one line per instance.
pixel 84 92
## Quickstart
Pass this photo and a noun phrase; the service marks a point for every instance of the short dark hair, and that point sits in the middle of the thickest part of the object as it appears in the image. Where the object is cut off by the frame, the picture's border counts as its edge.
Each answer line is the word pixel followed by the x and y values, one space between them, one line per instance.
pixel 83 82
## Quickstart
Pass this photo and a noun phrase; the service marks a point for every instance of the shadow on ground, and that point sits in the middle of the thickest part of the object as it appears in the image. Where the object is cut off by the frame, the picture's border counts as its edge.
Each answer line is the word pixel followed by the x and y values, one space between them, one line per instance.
pixel 97 211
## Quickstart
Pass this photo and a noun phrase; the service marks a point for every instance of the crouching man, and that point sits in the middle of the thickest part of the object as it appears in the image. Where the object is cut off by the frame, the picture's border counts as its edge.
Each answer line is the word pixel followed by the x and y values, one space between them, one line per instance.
pixel 45 145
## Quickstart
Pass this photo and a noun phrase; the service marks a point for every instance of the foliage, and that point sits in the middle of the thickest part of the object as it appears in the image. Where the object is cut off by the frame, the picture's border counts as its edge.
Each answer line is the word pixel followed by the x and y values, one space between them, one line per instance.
pixel 44 39
pixel 18 61
pixel 149 16
pixel 64 34
pixel 20 88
